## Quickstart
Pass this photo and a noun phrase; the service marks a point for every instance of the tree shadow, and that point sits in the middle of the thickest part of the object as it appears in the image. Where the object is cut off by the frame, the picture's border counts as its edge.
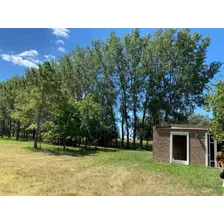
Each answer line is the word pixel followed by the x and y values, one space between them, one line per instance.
pixel 75 152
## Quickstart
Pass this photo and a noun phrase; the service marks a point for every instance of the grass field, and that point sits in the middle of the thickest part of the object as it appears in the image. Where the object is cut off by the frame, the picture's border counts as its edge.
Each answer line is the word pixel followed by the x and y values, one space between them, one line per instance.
pixel 51 171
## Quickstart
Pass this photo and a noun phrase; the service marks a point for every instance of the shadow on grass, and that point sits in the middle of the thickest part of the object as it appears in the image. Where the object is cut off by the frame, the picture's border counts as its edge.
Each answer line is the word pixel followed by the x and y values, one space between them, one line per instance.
pixel 76 152
pixel 13 139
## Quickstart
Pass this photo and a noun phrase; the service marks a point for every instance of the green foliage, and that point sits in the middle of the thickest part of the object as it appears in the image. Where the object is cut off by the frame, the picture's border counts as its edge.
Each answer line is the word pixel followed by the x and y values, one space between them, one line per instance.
pixel 134 80
pixel 90 113
pixel 215 102
pixel 199 119
pixel 177 73
pixel 67 123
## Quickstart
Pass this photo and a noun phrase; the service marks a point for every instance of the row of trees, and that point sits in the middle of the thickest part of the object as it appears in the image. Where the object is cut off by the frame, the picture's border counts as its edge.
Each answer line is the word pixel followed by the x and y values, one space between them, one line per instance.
pixel 128 83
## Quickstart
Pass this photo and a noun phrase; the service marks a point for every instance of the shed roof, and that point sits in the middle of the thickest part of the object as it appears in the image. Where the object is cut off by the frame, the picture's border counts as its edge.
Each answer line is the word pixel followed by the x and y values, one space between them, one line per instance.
pixel 184 127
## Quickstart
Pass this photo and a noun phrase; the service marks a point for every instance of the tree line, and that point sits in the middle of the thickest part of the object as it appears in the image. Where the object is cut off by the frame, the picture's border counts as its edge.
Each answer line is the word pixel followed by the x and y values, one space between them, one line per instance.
pixel 117 88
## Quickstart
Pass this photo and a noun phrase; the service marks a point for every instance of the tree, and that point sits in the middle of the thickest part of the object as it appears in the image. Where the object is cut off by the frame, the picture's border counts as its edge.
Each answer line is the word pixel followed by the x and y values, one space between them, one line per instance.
pixel 8 93
pixel 3 107
pixel 135 80
pixel 198 119
pixel 42 85
pixel 121 82
pixel 13 87
pixel 22 113
pixel 176 74
pixel 134 45
pixel 215 102
pixel 106 91
pixel 67 123
pixel 91 113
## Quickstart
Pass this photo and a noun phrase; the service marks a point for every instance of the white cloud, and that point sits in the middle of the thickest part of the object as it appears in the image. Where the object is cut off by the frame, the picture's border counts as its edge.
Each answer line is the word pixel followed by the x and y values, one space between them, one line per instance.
pixel 31 53
pixel 61 32
pixel 36 61
pixel 18 60
pixel 62 49
pixel 26 58
pixel 60 42
pixel 5 57
pixel 49 57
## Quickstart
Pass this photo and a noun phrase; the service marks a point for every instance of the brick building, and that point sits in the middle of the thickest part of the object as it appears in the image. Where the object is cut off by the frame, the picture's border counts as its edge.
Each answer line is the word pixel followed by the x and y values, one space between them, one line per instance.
pixel 186 144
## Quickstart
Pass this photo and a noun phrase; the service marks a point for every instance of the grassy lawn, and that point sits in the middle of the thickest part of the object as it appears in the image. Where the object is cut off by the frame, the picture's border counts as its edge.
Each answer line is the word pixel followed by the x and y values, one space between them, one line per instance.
pixel 51 171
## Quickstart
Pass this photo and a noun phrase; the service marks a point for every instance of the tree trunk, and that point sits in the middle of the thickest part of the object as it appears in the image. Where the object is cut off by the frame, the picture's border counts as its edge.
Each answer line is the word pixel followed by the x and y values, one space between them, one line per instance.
pixel 34 133
pixel 122 131
pixel 3 127
pixel 38 129
pixel 135 123
pixel 18 130
pixel 115 130
pixel 86 143
pixel 127 129
pixel 142 128
pixel 10 127
pixel 38 121
pixel 64 143
pixel 24 132
pixel 124 107
pixel 166 116
pixel 27 132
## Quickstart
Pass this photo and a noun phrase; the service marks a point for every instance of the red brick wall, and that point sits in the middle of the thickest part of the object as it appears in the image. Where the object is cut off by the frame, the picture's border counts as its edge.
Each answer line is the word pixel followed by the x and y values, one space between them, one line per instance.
pixel 161 145
pixel 197 147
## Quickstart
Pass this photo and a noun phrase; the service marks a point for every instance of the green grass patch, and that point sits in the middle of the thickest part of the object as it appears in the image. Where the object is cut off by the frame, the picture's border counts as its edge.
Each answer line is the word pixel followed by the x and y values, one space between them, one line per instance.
pixel 77 171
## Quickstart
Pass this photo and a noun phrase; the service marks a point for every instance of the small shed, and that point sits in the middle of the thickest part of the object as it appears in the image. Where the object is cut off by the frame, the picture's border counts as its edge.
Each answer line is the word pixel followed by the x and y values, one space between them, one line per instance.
pixel 186 144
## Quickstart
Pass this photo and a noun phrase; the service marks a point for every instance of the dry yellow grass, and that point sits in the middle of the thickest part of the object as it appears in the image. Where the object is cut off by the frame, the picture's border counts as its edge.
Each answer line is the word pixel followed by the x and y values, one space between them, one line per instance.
pixel 26 172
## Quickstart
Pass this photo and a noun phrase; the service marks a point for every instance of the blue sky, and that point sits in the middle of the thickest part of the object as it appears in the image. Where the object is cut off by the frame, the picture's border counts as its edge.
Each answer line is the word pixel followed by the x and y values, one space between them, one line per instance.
pixel 22 48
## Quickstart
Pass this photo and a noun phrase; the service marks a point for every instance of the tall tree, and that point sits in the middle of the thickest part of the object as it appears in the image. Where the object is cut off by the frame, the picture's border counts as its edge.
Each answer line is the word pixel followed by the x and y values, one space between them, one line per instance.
pixel 42 85
pixel 12 87
pixel 91 113
pixel 215 103
pixel 177 73
pixel 133 47
pixel 121 81
pixel 3 107
pixel 67 123
pixel 106 92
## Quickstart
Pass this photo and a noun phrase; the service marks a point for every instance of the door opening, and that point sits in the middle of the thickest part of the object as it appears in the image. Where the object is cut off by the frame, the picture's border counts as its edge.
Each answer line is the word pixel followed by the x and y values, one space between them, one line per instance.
pixel 212 149
pixel 179 147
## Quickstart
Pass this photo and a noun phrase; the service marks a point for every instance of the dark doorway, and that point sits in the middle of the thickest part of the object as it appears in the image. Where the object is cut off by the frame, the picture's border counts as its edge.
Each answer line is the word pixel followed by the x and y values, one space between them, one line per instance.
pixel 180 147
pixel 220 146
pixel 211 151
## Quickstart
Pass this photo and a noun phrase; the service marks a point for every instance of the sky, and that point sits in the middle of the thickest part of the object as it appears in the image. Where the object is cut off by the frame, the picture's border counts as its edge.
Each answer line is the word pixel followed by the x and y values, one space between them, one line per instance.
pixel 24 48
